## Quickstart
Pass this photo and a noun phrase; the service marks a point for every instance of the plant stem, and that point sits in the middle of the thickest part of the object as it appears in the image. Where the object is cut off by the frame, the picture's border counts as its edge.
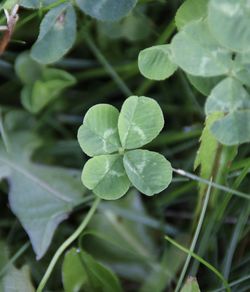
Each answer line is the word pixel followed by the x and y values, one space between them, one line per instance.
pixel 66 244
pixel 195 238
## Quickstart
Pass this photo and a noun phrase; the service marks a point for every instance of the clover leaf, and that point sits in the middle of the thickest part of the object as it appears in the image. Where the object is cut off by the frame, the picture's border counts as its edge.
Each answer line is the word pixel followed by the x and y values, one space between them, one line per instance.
pixel 110 138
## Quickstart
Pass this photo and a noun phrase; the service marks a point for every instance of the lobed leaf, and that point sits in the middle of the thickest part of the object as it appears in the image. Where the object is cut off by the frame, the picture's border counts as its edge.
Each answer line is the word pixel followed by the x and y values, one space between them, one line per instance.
pixel 148 171
pixel 106 176
pixel 154 63
pixel 229 22
pixel 57 34
pixel 196 51
pixel 99 133
pixel 140 121
pixel 106 10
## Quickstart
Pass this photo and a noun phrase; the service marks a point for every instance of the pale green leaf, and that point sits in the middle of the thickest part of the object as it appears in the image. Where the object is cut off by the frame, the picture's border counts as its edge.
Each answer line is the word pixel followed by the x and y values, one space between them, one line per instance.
pixel 39 94
pixel 233 129
pixel 99 133
pixel 106 10
pixel 140 121
pixel 81 272
pixel 229 23
pixel 190 10
pixel 27 69
pixel 196 51
pixel 57 34
pixel 33 4
pixel 148 171
pixel 204 84
pixel 191 285
pixel 106 176
pixel 40 196
pixel 229 95
pixel 154 63
pixel 18 280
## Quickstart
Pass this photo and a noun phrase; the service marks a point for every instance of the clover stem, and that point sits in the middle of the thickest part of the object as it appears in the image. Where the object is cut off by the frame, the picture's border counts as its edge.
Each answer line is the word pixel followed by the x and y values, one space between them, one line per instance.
pixel 67 243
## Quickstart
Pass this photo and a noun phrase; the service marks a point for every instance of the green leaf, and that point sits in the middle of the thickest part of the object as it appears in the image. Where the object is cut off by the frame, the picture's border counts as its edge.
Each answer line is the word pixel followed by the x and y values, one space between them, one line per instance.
pixel 99 133
pixel 57 34
pixel 40 196
pixel 106 177
pixel 33 4
pixel 191 285
pixel 148 171
pixel 154 63
pixel 234 129
pixel 27 69
pixel 228 96
pixel 189 11
pixel 38 95
pixel 140 121
pixel 106 10
pixel 196 51
pixel 202 84
pixel 18 280
pixel 81 272
pixel 229 23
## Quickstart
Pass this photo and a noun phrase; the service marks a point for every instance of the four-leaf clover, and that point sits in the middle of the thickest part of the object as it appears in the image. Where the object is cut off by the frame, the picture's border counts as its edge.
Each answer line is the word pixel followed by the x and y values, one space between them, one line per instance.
pixel 112 138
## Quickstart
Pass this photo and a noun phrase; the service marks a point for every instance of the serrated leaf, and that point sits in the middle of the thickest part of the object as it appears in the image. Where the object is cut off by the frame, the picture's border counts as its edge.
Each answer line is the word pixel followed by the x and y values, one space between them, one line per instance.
pixel 81 272
pixel 57 34
pixel 154 63
pixel 229 23
pixel 191 285
pixel 233 129
pixel 189 11
pixel 40 196
pixel 106 177
pixel 228 96
pixel 99 133
pixel 140 121
pixel 148 171
pixel 196 51
pixel 106 10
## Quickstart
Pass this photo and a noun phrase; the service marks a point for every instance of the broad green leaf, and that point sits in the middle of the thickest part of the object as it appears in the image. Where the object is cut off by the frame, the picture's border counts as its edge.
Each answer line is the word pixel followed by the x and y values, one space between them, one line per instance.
pixel 106 177
pixel 189 11
pixel 57 34
pixel 33 4
pixel 233 129
pixel 18 280
pixel 106 10
pixel 191 285
pixel 148 171
pixel 81 272
pixel 154 63
pixel 99 133
pixel 39 94
pixel 204 84
pixel 228 96
pixel 27 69
pixel 229 23
pixel 119 237
pixel 196 51
pixel 140 121
pixel 40 196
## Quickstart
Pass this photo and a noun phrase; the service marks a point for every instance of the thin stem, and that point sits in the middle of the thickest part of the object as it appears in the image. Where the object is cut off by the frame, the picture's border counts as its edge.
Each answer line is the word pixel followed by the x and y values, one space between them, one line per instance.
pixel 201 260
pixel 215 185
pixel 195 238
pixel 66 244
pixel 117 79
pixel 234 283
